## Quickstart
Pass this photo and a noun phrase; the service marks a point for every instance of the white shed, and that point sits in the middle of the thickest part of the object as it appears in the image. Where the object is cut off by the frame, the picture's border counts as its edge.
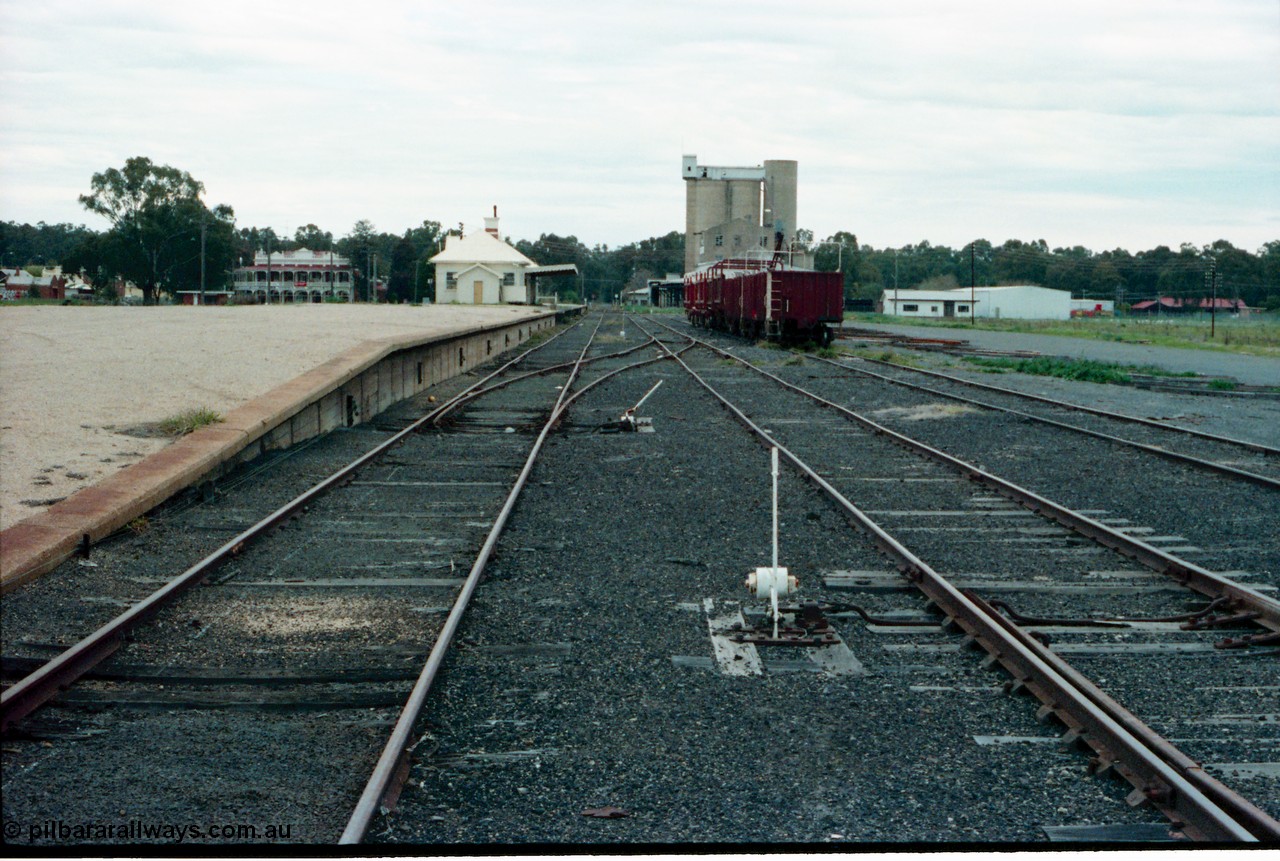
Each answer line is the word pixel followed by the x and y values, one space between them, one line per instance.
pixel 1018 302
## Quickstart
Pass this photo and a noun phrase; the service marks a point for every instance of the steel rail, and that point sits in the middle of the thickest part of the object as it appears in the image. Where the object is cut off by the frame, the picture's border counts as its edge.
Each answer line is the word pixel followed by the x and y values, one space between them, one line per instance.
pixel 440 416
pixel 33 690
pixel 1253 446
pixel 384 785
pixel 1200 463
pixel 391 770
pixel 1243 811
pixel 1157 781
pixel 1188 574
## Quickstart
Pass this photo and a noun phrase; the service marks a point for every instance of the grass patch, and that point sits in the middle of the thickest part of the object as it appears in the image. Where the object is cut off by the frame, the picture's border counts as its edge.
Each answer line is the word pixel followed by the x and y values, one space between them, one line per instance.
pixel 189 420
pixel 1222 385
pixel 903 359
pixel 1257 335
pixel 794 360
pixel 1085 370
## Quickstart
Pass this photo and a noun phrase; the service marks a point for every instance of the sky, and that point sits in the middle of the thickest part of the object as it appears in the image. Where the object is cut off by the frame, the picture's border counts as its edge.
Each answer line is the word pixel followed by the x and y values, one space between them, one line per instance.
pixel 1104 124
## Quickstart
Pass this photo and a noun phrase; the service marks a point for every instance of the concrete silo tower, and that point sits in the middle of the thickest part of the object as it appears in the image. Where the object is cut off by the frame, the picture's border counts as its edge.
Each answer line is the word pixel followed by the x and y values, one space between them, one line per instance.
pixel 737 211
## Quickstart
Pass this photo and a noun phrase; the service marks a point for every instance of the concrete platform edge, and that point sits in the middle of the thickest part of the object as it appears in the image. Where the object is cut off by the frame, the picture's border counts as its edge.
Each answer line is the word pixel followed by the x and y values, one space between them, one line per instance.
pixel 351 388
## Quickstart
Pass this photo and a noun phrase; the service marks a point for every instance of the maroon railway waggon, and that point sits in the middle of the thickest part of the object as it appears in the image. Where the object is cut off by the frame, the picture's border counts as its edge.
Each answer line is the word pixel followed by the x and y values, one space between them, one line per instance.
pixel 764 299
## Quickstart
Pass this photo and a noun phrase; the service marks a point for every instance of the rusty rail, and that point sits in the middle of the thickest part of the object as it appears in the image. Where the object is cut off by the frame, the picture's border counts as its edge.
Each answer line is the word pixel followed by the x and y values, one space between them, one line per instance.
pixel 384 784
pixel 37 688
pixel 1157 781
pixel 1252 446
pixel 1200 463
pixel 1195 577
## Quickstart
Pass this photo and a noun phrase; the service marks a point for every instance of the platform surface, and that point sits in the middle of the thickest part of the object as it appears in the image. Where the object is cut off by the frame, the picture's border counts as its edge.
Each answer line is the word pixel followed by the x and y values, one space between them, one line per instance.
pixel 81 388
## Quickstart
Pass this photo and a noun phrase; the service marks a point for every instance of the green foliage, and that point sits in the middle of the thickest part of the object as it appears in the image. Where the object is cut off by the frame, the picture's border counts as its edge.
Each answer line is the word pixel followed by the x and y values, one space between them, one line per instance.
pixel 400 278
pixel 41 243
pixel 157 219
pixel 189 420
pixel 1086 370
pixel 1118 274
pixel 1255 334
pixel 313 238
pixel 1222 385
pixel 155 215
pixel 1068 369
pixel 604 273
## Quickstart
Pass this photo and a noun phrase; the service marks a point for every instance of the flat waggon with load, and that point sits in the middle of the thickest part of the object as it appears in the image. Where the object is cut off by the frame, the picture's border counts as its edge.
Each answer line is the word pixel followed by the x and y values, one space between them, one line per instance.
pixel 765 299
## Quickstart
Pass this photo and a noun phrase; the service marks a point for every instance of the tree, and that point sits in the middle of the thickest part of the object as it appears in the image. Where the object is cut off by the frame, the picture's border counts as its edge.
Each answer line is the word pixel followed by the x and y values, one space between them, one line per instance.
pixel 96 259
pixel 157 218
pixel 400 280
pixel 313 237
pixel 359 247
pixel 840 250
pixel 23 243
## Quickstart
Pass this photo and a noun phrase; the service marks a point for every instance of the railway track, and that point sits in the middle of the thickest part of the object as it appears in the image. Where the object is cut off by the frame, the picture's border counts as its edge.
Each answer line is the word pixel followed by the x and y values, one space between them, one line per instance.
pixel 1226 526
pixel 336 563
pixel 591 693
pixel 1167 430
pixel 1169 441
pixel 1003 639
pixel 31 691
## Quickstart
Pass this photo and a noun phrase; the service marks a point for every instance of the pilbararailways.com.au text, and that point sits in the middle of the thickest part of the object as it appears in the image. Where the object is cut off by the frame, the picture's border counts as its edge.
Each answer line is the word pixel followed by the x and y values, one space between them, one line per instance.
pixel 137 831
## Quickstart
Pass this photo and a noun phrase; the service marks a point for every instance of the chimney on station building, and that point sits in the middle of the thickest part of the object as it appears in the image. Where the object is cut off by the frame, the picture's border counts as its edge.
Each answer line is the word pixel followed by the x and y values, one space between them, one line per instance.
pixel 491 224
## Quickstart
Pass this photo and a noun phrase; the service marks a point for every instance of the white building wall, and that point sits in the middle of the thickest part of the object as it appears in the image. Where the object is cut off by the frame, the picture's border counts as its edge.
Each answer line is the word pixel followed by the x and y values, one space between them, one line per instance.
pixel 516 291
pixel 444 293
pixel 931 303
pixel 490 286
pixel 490 273
pixel 1029 303
pixel 1022 302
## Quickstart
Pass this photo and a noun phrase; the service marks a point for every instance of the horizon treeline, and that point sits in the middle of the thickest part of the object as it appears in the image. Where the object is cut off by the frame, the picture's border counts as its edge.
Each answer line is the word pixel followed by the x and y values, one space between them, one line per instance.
pixel 1123 276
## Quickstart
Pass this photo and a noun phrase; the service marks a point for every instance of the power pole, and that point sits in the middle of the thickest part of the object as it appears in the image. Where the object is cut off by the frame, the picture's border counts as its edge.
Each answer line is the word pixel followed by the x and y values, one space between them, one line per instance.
pixel 1212 278
pixel 202 233
pixel 266 295
pixel 973 289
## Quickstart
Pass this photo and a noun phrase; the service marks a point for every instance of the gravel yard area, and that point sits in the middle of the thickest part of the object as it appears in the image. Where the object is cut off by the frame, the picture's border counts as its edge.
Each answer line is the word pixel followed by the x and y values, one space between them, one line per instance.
pixel 81 389
pixel 1256 419
pixel 1251 370
pixel 587 699
pixel 1227 521
pixel 607 569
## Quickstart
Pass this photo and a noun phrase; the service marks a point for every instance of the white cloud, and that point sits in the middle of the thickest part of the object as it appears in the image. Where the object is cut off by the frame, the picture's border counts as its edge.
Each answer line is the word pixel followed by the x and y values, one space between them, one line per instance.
pixel 1106 123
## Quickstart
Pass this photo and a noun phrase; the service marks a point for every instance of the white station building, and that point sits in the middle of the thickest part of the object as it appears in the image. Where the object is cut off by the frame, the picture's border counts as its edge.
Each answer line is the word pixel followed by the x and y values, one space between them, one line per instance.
pixel 1013 302
pixel 481 269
